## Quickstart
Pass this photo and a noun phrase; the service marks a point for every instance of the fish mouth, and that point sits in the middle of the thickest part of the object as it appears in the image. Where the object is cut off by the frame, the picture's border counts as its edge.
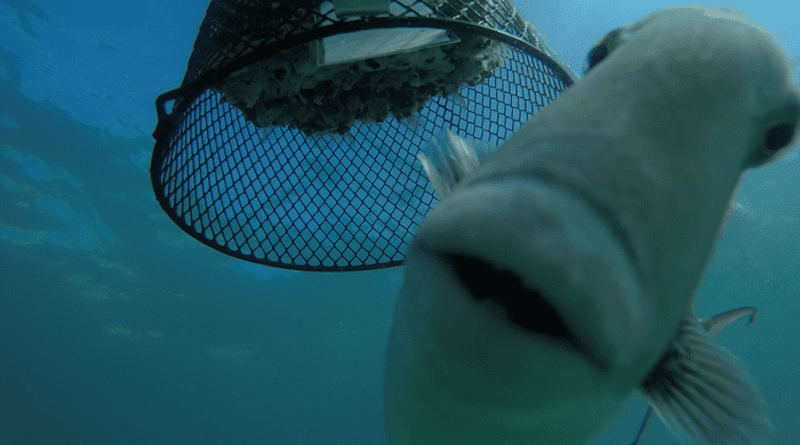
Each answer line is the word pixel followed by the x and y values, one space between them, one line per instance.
pixel 548 259
pixel 523 306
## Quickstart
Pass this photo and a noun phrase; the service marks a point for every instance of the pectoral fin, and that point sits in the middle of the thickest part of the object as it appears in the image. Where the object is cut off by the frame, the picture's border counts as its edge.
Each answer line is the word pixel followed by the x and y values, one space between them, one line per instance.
pixel 448 157
pixel 704 393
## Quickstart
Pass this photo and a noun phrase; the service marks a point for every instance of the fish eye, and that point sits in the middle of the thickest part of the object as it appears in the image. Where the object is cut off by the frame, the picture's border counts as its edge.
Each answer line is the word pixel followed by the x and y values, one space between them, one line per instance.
pixel 779 135
pixel 602 49
pixel 596 55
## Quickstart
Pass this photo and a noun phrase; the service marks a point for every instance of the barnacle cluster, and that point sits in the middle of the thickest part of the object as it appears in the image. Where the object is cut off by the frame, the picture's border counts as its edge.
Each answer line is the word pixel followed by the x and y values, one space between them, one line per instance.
pixel 291 88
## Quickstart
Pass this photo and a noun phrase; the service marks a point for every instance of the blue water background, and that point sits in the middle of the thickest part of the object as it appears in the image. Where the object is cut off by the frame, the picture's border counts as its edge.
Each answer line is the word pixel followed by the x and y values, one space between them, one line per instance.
pixel 118 328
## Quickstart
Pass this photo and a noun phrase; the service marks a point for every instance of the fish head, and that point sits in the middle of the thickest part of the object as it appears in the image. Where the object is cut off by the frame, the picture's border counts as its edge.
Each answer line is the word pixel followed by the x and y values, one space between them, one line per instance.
pixel 541 291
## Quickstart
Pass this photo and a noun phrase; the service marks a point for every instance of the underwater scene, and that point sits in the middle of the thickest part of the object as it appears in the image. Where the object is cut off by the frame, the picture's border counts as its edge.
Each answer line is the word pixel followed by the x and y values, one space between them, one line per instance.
pixel 118 327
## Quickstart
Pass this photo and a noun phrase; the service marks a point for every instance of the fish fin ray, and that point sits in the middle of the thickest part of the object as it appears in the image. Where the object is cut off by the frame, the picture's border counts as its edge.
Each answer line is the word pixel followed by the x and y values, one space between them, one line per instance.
pixel 447 158
pixel 705 394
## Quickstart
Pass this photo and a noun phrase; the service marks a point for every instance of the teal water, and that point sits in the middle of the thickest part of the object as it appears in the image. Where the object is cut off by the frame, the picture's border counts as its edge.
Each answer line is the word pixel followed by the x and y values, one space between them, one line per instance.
pixel 117 328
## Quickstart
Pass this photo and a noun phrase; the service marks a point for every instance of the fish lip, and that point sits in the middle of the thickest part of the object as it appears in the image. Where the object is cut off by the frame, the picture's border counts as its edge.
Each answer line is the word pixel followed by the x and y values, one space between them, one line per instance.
pixel 514 222
pixel 560 342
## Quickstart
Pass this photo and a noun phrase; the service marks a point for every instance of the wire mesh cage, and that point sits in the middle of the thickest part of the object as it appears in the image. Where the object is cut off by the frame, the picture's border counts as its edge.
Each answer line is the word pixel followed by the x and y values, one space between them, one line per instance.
pixel 292 139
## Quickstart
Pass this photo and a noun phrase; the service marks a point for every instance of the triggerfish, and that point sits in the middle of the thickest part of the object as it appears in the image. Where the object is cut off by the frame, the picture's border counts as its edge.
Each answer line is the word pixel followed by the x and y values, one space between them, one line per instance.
pixel 558 276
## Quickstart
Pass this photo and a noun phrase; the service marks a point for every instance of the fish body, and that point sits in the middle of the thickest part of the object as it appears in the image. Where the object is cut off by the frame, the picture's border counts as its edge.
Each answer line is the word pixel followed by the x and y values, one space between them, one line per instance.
pixel 551 281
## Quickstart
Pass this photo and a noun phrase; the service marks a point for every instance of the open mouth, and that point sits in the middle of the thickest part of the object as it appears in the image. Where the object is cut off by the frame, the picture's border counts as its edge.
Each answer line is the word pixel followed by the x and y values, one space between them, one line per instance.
pixel 547 259
pixel 526 308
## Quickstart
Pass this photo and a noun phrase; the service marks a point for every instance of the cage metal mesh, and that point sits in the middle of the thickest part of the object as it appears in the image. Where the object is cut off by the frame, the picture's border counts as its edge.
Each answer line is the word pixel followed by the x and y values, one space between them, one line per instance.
pixel 278 197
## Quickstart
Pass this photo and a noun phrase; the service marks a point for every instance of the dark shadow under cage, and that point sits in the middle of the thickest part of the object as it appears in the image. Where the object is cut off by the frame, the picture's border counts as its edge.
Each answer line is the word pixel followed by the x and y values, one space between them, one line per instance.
pixel 348 199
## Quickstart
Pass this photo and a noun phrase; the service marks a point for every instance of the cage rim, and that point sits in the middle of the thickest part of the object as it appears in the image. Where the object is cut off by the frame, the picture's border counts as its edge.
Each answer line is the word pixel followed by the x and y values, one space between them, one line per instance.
pixel 184 95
